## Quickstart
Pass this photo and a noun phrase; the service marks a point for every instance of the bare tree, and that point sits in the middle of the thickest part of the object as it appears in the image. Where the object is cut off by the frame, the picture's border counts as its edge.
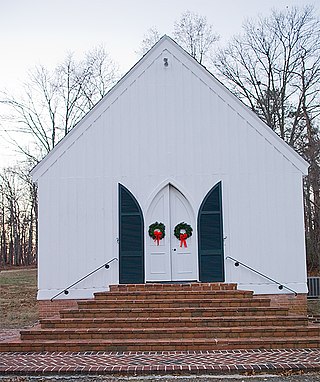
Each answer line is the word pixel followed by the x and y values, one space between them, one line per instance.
pixel 51 105
pixel 18 218
pixel 264 67
pixel 274 67
pixel 191 31
pixel 195 35
pixel 151 37
pixel 54 101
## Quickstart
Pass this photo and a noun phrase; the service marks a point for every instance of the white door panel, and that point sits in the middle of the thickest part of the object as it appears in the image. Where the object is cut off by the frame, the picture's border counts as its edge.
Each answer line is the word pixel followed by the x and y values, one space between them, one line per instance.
pixel 184 260
pixel 158 262
pixel 168 261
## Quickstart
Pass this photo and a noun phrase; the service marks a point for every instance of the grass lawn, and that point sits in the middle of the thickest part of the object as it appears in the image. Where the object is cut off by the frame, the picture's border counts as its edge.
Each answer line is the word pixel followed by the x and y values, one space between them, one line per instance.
pixel 18 291
pixel 18 305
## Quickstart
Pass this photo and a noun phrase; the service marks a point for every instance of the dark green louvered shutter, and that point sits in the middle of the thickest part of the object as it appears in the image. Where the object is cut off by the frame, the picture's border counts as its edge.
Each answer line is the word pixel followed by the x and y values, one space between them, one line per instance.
pixel 131 247
pixel 210 237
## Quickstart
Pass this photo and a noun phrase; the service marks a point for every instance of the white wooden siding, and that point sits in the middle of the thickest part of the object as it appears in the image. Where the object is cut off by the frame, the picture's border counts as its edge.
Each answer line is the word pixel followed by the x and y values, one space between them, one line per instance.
pixel 165 125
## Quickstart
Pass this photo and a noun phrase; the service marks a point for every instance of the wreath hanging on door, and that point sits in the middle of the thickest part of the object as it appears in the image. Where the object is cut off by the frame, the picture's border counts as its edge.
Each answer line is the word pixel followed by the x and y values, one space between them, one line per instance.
pixel 183 236
pixel 157 231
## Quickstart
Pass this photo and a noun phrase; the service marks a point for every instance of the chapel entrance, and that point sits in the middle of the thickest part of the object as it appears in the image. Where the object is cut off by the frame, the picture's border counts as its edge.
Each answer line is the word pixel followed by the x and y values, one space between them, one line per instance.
pixel 171 259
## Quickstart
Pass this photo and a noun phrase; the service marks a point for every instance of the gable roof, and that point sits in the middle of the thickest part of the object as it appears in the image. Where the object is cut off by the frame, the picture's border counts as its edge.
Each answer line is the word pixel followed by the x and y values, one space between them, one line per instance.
pixel 166 43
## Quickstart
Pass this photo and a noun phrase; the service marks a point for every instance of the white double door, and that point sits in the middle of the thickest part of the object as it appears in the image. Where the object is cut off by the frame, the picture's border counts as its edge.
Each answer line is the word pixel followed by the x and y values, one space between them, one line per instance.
pixel 169 261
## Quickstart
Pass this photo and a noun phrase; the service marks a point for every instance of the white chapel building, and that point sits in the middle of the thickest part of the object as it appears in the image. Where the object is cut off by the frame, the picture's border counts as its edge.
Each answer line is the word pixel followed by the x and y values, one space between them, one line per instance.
pixel 170 152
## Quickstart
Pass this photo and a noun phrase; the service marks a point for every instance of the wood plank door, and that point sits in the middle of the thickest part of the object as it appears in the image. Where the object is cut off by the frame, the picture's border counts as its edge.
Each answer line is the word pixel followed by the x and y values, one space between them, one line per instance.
pixel 210 237
pixel 131 243
pixel 169 261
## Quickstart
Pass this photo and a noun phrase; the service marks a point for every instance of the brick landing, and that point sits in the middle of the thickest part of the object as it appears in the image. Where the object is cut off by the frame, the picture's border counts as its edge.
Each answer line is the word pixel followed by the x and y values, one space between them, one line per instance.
pixel 138 363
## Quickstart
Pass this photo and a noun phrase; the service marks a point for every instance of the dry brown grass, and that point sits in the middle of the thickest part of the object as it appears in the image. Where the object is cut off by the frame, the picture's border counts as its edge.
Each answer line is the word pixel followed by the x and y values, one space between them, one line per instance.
pixel 314 307
pixel 18 291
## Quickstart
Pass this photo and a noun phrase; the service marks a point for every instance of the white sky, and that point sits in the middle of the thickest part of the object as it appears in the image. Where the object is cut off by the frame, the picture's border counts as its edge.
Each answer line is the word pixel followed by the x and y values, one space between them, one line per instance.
pixel 36 32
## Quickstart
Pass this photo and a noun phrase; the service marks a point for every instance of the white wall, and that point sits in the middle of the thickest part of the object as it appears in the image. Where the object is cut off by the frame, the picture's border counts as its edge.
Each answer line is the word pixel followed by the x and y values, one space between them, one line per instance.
pixel 166 124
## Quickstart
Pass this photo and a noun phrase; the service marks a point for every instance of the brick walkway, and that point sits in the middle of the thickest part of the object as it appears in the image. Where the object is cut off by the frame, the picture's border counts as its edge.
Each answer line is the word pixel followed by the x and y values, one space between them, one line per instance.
pixel 209 362
pixel 201 362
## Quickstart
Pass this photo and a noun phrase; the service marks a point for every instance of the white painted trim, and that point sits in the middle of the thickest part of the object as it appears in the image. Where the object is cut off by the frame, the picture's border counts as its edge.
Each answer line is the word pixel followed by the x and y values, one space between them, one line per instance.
pixel 247 114
pixel 166 43
pixel 176 185
pixel 95 113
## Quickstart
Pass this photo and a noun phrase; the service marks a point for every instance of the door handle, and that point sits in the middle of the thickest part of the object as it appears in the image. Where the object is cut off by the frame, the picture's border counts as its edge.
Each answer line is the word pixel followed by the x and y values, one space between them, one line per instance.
pixel 174 249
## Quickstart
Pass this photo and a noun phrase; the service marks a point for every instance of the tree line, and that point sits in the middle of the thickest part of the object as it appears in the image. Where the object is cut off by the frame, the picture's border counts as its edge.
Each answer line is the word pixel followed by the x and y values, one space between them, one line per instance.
pixel 51 104
pixel 18 218
pixel 272 65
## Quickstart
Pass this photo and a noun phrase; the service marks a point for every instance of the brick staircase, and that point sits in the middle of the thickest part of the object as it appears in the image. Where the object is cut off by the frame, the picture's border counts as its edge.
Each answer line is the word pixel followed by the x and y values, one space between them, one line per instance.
pixel 158 317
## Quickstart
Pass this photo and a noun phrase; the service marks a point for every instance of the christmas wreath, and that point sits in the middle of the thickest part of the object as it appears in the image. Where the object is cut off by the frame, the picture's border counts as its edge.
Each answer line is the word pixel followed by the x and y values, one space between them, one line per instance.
pixel 157 231
pixel 183 236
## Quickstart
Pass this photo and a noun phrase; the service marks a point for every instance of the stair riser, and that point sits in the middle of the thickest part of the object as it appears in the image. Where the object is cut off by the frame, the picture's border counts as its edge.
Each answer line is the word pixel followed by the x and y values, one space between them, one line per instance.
pixel 171 313
pixel 165 323
pixel 171 295
pixel 172 304
pixel 180 346
pixel 170 317
pixel 164 335
pixel 173 287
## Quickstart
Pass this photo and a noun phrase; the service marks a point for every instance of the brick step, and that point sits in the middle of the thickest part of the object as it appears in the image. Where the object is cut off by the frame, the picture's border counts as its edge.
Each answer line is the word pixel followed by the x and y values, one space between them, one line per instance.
pixel 147 322
pixel 175 303
pixel 173 287
pixel 169 333
pixel 172 312
pixel 153 295
pixel 192 344
pixel 315 318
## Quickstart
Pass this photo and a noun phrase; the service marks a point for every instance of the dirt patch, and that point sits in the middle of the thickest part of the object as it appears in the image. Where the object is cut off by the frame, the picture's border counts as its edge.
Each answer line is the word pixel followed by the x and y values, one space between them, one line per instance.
pixel 18 303
pixel 314 307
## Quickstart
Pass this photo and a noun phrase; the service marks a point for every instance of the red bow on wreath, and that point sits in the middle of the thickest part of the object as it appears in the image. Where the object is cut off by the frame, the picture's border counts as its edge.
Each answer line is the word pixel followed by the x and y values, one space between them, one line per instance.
pixel 158 236
pixel 183 239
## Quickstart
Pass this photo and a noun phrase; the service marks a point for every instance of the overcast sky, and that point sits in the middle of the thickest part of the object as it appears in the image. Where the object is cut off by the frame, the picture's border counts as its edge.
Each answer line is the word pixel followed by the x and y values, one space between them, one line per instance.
pixel 36 32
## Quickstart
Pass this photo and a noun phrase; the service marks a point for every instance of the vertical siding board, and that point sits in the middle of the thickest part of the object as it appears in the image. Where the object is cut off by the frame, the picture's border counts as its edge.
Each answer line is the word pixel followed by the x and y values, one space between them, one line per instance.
pixel 99 233
pixel 203 129
pixel 47 219
pixel 216 130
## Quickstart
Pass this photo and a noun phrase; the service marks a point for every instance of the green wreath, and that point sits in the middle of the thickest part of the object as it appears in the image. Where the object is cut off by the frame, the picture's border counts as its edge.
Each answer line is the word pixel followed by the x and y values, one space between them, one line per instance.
pixel 181 226
pixel 157 227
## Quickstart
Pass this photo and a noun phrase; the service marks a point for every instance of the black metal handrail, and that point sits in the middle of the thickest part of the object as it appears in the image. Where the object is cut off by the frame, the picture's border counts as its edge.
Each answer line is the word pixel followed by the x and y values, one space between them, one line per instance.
pixel 66 290
pixel 280 285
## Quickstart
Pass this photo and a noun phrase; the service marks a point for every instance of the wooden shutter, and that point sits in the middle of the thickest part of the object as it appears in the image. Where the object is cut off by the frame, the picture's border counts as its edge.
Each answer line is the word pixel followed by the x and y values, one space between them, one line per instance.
pixel 131 246
pixel 210 237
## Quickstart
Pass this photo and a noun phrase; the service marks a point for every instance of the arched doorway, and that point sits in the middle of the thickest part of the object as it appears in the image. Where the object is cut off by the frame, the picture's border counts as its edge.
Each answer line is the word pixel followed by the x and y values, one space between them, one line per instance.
pixel 169 261
pixel 210 237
